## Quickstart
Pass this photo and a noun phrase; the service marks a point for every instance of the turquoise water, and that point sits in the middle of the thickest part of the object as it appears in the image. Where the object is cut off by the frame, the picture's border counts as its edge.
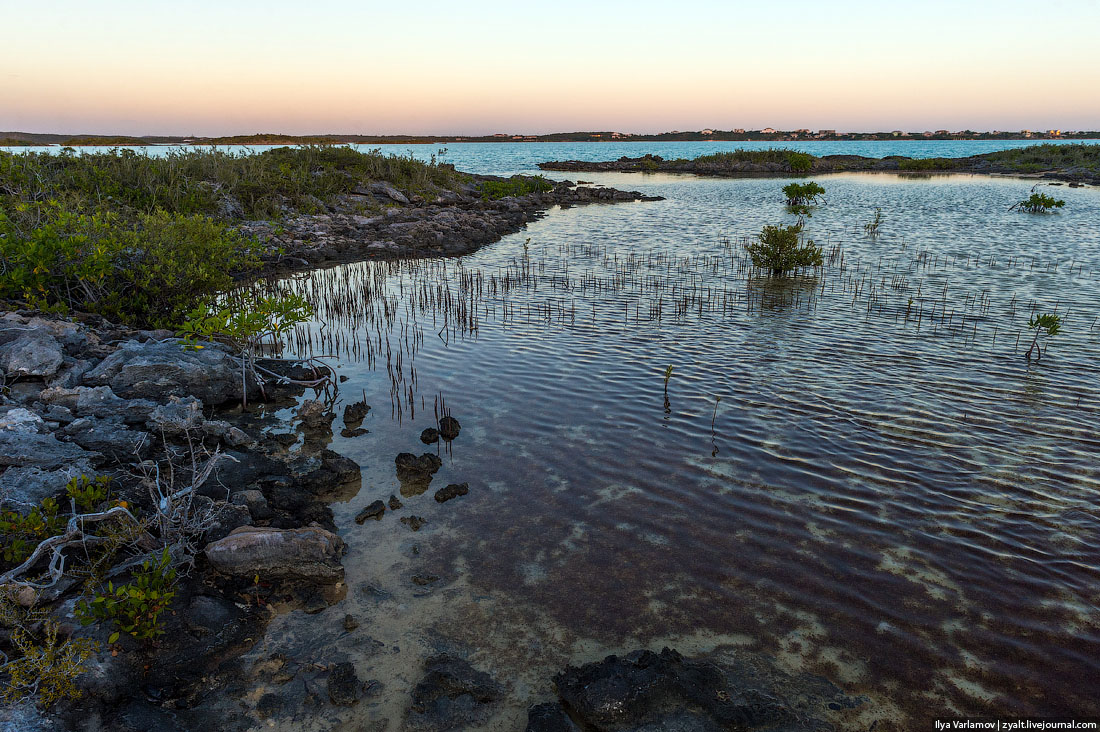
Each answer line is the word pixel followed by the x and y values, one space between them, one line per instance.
pixel 508 158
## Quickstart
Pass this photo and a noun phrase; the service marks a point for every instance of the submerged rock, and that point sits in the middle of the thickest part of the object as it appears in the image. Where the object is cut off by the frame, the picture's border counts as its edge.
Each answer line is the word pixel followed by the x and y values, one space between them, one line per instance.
pixel 414 522
pixel 452 695
pixel 549 717
pixel 314 414
pixel 454 490
pixel 429 436
pixel 344 687
pixel 374 511
pixel 426 463
pixel 395 503
pixel 449 428
pixel 311 553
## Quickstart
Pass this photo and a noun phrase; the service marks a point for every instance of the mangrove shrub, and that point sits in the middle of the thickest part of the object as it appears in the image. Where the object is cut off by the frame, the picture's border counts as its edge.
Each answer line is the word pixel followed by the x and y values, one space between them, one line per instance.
pixel 782 249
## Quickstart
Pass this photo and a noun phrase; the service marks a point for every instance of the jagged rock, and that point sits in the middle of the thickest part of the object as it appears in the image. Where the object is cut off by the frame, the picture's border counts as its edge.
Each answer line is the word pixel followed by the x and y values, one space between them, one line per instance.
pixel 350 623
pixel 26 487
pixel 414 522
pixel 454 490
pixel 426 463
pixel 33 353
pixel 648 691
pixel 449 428
pixel 313 414
pixel 310 553
pixel 354 414
pixel 227 518
pixel 255 502
pixel 451 695
pixel 395 503
pixel 344 687
pixel 430 436
pixel 374 511
pixel 236 437
pixel 385 189
pixel 99 401
pixel 549 717
pixel 178 416
pixel 21 420
pixel 109 437
pixel 43 451
pixel 157 371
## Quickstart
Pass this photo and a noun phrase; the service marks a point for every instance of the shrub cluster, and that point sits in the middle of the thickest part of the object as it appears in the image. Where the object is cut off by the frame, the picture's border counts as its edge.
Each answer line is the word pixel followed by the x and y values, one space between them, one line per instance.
pixel 517 185
pixel 781 249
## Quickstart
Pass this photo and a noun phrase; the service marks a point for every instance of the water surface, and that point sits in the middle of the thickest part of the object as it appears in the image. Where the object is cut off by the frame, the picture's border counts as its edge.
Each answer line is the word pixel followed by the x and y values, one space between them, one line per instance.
pixel 887 493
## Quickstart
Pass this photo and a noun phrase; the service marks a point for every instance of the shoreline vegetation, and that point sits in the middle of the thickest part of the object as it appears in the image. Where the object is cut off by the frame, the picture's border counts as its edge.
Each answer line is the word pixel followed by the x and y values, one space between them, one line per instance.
pixel 1077 163
pixel 153 505
pixel 19 139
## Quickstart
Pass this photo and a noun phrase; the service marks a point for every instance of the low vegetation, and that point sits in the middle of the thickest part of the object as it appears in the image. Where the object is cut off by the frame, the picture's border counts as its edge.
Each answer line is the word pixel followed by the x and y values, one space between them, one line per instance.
pixel 1034 158
pixel 142 239
pixel 517 185
pixel 792 160
pixel 1038 203
pixel 783 249
pixel 1046 325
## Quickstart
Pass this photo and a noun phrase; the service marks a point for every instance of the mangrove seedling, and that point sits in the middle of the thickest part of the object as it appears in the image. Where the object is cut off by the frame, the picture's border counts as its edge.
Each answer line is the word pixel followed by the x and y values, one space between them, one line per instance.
pixel 781 249
pixel 135 608
pixel 1047 325
pixel 803 194
pixel 667 376
pixel 872 227
pixel 1038 203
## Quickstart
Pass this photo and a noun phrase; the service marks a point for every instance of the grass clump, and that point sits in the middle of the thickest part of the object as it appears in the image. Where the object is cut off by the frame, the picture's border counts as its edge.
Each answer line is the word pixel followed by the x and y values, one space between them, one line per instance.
pixel 1038 203
pixel 1047 157
pixel 517 185
pixel 782 249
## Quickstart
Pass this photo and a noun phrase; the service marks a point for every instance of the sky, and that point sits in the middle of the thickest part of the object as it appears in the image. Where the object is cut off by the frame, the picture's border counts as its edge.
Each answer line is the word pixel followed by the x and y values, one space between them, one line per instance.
pixel 218 67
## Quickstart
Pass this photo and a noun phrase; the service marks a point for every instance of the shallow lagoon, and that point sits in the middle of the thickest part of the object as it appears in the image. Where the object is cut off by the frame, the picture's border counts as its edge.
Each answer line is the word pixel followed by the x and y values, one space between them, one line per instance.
pixel 888 494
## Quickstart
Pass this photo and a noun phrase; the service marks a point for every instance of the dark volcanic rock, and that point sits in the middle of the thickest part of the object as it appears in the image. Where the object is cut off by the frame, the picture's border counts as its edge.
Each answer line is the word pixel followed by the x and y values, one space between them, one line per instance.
pixel 374 511
pixel 429 436
pixel 549 717
pixel 449 428
pixel 344 687
pixel 664 691
pixel 454 490
pixel 452 695
pixel 354 414
pixel 414 522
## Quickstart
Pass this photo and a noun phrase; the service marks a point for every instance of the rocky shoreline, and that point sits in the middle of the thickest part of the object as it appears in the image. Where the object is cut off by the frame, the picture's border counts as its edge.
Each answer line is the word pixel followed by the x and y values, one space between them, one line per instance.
pixel 451 224
pixel 718 168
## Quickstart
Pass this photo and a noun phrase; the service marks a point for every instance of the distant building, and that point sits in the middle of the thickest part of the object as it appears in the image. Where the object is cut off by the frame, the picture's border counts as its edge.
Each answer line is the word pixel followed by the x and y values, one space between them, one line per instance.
pixel 1054 133
pixel 942 132
pixel 767 131
pixel 802 132
pixel 707 132
pixel 739 131
pixel 501 134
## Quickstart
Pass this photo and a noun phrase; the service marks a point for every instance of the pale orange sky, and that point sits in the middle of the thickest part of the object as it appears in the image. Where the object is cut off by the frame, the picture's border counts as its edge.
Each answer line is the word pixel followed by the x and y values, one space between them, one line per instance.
pixel 239 67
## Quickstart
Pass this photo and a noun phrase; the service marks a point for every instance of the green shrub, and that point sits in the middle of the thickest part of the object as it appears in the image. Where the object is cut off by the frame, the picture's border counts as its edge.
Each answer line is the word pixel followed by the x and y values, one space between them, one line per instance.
pixel 1038 203
pixel 147 272
pixel 781 249
pixel 1048 324
pixel 517 185
pixel 803 194
pixel 20 534
pixel 134 608
pixel 88 493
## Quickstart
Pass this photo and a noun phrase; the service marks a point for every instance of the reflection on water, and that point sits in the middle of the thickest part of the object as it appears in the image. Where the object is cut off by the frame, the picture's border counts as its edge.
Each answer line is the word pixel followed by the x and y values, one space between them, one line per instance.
pixel 886 493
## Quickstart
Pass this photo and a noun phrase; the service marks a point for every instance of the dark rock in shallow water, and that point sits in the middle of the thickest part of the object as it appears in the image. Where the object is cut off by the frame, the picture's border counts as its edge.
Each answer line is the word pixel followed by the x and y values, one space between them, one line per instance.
pixel 311 554
pixel 426 463
pixel 395 503
pixel 454 490
pixel 354 414
pixel 349 433
pixel 452 695
pixel 659 691
pixel 374 511
pixel 350 623
pixel 344 687
pixel 414 522
pixel 549 717
pixel 429 436
pixel 449 428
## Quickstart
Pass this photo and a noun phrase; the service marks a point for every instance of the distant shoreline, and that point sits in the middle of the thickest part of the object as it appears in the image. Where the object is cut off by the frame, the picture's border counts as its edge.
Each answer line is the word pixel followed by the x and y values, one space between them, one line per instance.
pixel 24 139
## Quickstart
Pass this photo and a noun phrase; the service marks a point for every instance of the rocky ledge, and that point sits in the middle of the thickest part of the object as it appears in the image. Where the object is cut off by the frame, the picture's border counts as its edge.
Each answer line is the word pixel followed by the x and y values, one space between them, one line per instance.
pixel 239 499
pixel 404 225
